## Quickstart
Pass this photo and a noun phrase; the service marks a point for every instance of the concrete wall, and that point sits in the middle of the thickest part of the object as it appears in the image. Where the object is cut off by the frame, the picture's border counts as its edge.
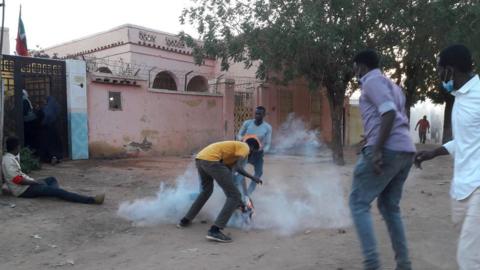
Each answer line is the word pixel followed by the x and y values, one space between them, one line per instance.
pixel 237 70
pixel 117 35
pixel 161 123
pixel 114 53
pixel 174 122
pixel 150 50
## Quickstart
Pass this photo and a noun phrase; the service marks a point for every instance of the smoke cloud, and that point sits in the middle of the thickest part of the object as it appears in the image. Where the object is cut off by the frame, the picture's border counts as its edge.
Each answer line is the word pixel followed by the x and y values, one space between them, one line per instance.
pixel 302 190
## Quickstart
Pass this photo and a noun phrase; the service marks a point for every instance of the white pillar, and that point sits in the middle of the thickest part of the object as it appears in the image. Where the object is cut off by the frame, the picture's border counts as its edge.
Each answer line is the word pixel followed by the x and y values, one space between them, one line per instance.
pixel 77 109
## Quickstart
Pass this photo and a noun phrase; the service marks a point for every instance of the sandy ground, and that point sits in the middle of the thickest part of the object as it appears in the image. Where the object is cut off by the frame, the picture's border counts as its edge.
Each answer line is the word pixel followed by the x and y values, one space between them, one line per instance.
pixel 49 234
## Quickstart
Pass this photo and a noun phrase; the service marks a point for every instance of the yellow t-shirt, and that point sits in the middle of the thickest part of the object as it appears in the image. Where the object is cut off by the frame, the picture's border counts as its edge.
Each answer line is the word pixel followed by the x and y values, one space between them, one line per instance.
pixel 228 152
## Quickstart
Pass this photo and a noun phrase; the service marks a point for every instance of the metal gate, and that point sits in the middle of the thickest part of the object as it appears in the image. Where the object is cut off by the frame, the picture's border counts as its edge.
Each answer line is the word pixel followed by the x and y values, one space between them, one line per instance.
pixel 41 78
pixel 244 103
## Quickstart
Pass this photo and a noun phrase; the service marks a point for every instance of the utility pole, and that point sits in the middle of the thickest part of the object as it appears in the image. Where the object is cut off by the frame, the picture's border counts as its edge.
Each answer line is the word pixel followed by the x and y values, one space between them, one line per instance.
pixel 2 89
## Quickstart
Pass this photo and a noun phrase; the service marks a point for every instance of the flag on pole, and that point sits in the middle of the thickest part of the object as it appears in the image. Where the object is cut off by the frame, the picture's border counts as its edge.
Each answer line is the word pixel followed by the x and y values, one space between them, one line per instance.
pixel 21 37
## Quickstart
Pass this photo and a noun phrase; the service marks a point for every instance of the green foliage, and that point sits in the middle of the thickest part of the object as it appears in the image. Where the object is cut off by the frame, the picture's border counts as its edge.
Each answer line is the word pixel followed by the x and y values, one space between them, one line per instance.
pixel 311 39
pixel 420 29
pixel 317 39
pixel 28 161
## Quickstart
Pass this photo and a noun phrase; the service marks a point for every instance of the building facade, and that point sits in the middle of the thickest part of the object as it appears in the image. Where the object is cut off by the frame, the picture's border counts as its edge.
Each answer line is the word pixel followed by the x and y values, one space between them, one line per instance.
pixel 145 94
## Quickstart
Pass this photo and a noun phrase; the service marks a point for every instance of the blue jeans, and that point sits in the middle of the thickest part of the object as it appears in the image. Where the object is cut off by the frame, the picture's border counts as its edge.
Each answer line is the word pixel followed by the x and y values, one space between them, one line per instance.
pixel 50 188
pixel 256 159
pixel 387 189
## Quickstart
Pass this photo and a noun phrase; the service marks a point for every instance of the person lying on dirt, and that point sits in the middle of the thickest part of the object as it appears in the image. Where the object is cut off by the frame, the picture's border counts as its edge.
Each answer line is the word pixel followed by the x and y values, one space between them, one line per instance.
pixel 218 161
pixel 24 186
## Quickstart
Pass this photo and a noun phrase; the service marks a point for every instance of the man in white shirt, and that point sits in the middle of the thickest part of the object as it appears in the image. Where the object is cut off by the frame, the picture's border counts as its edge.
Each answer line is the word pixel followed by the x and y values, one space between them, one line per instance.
pixel 455 69
pixel 24 186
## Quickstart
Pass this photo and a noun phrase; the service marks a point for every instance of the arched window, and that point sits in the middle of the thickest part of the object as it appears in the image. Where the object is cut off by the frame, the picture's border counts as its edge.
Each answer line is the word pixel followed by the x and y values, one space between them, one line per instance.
pixel 197 84
pixel 164 80
pixel 104 70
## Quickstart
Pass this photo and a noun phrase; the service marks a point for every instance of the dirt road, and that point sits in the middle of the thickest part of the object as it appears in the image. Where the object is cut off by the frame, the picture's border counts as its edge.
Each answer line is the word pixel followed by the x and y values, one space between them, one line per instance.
pixel 48 234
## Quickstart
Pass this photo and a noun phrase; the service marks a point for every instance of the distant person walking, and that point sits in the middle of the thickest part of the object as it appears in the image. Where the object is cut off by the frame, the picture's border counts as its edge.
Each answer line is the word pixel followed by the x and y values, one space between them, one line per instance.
pixel 424 128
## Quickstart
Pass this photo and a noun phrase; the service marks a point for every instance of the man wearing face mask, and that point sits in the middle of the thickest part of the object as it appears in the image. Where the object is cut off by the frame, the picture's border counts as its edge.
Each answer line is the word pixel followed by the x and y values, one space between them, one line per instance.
pixel 455 69
pixel 384 163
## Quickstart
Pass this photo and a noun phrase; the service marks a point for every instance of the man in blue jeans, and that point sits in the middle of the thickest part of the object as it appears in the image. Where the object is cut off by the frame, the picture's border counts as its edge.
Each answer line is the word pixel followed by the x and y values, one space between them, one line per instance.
pixel 384 163
pixel 23 186
pixel 262 131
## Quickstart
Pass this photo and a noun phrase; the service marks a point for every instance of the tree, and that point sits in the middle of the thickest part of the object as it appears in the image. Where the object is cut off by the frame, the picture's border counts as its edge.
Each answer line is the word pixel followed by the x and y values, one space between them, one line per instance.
pixel 313 39
pixel 462 26
pixel 421 28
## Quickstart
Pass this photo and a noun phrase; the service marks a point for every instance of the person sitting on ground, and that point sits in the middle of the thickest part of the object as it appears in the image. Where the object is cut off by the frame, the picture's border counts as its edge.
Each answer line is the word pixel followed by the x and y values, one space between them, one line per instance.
pixel 24 186
pixel 217 161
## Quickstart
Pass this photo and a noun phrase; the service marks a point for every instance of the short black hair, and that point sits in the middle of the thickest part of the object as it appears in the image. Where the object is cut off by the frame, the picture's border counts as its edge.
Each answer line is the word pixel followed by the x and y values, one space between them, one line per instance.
pixel 12 143
pixel 368 57
pixel 253 143
pixel 457 56
pixel 261 108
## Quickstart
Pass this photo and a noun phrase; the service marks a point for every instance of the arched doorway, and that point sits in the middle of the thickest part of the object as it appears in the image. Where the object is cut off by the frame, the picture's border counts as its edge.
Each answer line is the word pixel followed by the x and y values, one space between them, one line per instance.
pixel 164 80
pixel 197 84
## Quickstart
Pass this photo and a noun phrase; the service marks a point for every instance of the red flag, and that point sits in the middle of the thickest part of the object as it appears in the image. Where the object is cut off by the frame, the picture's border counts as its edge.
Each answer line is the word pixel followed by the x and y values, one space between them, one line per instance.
pixel 21 37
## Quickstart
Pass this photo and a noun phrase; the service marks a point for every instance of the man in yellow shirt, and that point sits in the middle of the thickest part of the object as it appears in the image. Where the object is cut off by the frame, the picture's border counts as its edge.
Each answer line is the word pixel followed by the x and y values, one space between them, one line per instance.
pixel 218 161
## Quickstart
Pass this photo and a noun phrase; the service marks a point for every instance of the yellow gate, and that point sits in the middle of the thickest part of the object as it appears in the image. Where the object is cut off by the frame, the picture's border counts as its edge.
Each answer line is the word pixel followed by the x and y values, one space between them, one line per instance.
pixel 244 103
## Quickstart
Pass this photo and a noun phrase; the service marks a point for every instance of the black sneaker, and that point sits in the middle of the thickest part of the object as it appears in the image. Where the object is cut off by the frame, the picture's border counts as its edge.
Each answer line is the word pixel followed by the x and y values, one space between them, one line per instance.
pixel 218 236
pixel 184 223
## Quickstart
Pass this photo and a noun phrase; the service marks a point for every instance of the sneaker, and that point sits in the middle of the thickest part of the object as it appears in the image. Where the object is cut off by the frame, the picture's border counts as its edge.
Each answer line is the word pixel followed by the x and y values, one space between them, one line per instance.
pixel 218 237
pixel 99 199
pixel 184 223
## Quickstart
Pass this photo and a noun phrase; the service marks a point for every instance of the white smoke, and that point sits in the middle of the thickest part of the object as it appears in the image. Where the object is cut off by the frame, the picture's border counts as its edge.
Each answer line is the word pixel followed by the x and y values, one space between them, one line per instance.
pixel 434 113
pixel 293 137
pixel 301 192
pixel 169 204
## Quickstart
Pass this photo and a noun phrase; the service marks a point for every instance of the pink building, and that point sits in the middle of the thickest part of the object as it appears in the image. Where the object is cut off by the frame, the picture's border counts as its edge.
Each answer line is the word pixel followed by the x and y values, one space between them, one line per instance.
pixel 144 94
